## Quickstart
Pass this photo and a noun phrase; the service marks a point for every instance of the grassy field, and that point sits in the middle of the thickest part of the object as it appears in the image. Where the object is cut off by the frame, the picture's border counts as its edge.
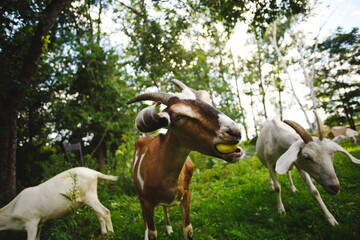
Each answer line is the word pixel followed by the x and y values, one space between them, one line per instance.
pixel 229 201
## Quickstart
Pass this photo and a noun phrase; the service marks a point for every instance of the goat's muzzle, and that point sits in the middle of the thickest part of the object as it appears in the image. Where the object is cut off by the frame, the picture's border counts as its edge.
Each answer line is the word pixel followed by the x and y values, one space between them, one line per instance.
pixel 232 156
pixel 227 143
pixel 230 151
pixel 333 189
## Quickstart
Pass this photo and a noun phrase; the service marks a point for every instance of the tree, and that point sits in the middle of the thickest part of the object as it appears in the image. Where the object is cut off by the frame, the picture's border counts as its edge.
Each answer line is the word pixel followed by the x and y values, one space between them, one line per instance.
pixel 90 102
pixel 236 72
pixel 19 60
pixel 338 84
pixel 263 12
pixel 274 41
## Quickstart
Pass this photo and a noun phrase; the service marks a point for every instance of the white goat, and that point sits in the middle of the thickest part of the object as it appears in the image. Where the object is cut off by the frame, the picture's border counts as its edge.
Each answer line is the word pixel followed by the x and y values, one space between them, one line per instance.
pixel 54 198
pixel 279 147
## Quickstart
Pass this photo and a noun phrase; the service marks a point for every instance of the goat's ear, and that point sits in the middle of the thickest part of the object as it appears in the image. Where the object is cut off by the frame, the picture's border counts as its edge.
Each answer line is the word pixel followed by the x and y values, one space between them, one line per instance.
pixel 337 148
pixel 203 96
pixel 285 161
pixel 152 118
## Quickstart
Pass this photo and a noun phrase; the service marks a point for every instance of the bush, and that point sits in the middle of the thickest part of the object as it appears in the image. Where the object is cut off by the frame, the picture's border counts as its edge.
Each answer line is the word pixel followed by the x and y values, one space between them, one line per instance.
pixel 229 201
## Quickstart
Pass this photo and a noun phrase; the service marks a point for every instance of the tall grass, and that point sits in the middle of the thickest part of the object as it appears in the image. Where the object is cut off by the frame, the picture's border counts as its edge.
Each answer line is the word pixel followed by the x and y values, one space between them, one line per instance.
pixel 229 201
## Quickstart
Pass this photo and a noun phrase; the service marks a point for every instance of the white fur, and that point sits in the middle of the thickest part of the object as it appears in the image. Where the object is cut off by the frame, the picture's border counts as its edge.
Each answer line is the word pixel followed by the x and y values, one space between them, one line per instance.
pixel 226 122
pixel 279 147
pixel 169 229
pixel 141 180
pixel 188 230
pixel 35 205
pixel 149 232
pixel 186 94
pixel 185 110
pixel 146 234
pixel 136 159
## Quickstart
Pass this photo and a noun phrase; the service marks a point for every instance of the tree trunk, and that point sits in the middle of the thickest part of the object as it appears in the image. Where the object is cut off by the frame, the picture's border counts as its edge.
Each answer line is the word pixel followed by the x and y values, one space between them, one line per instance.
pixel 10 106
pixel 253 115
pixel 101 155
pixel 261 84
pixel 348 113
pixel 8 143
pixel 282 61
pixel 280 106
pixel 241 108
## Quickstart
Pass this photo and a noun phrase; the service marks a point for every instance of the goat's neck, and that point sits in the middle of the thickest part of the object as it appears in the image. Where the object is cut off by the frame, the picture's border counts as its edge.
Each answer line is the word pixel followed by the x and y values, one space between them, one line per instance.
pixel 173 154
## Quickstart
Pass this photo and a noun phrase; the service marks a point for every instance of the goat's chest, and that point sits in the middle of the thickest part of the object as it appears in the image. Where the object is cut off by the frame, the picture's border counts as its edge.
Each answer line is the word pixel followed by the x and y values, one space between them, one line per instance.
pixel 165 193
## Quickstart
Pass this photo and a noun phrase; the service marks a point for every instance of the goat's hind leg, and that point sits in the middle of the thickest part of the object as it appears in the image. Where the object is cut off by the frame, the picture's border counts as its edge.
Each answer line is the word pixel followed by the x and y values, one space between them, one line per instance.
pixel 292 186
pixel 169 229
pixel 277 188
pixel 103 214
pixel 271 185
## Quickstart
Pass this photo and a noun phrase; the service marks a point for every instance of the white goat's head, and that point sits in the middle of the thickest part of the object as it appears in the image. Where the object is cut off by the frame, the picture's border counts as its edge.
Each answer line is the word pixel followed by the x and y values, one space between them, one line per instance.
pixel 192 119
pixel 315 156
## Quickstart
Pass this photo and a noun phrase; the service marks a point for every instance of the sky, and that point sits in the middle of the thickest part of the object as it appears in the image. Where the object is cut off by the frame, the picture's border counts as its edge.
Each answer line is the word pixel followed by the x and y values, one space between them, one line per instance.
pixel 345 13
pixel 330 14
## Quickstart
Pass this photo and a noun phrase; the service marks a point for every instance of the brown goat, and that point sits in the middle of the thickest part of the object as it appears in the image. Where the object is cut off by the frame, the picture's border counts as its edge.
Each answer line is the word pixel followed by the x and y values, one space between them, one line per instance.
pixel 162 169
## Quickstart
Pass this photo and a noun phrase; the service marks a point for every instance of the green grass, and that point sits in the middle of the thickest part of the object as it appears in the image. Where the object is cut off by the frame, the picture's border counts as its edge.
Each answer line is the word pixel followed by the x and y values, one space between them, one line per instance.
pixel 230 201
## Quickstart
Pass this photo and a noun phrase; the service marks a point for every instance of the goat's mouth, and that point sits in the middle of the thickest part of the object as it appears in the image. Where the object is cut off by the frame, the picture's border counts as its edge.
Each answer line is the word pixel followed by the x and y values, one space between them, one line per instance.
pixel 332 189
pixel 229 152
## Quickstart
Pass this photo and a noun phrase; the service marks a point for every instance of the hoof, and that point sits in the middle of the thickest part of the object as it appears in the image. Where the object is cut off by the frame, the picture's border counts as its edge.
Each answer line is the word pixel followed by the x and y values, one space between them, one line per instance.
pixel 188 232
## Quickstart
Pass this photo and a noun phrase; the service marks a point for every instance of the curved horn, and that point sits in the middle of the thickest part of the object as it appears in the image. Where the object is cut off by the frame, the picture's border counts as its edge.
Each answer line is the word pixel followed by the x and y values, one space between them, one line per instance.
pixel 319 126
pixel 180 85
pixel 306 137
pixel 199 94
pixel 156 97
pixel 150 119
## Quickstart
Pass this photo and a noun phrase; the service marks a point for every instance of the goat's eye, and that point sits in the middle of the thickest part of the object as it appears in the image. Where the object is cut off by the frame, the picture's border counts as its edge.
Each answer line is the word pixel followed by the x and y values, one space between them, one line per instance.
pixel 307 157
pixel 178 117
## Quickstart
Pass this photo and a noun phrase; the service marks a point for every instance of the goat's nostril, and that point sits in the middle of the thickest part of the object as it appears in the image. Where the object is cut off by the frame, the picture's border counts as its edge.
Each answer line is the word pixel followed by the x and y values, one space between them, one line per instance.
pixel 238 150
pixel 335 188
pixel 233 133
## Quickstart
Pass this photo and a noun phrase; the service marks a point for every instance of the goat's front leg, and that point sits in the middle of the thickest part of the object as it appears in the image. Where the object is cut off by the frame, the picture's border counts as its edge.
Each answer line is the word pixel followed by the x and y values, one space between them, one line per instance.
pixel 277 188
pixel 32 229
pixel 38 232
pixel 169 229
pixel 148 215
pixel 315 193
pixel 185 211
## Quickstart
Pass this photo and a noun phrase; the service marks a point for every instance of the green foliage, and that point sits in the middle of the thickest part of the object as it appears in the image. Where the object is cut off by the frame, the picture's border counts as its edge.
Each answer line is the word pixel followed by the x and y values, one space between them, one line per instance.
pixel 229 201
pixel 263 12
pixel 73 193
pixel 338 88
pixel 80 90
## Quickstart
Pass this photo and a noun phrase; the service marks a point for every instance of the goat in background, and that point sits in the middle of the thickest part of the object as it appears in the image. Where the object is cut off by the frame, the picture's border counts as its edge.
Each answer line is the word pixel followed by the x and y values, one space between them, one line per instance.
pixel 283 144
pixel 68 190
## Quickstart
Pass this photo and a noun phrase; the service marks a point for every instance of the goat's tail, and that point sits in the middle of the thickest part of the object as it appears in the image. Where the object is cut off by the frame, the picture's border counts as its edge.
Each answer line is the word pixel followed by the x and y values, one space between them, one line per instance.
pixel 107 177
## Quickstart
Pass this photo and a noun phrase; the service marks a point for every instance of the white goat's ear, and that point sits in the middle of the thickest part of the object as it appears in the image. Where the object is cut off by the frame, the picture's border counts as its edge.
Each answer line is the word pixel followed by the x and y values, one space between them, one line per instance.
pixel 285 161
pixel 337 148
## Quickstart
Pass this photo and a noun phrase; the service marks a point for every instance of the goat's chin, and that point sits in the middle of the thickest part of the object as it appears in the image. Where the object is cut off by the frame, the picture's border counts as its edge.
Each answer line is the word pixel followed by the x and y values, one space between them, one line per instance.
pixel 231 157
